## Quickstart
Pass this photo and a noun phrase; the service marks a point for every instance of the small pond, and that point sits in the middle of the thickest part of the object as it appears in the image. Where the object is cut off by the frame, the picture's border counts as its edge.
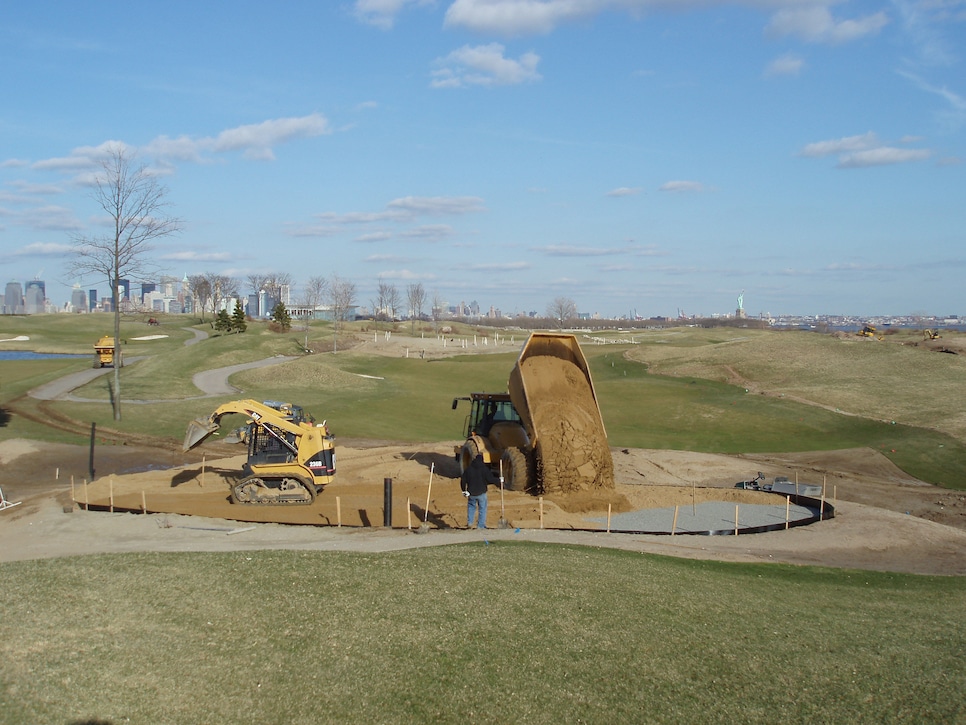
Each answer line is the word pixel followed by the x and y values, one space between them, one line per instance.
pixel 26 355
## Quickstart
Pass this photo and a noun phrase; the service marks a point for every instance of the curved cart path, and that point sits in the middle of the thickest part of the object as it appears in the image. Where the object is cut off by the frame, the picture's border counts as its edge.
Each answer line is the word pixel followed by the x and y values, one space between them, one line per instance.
pixel 211 383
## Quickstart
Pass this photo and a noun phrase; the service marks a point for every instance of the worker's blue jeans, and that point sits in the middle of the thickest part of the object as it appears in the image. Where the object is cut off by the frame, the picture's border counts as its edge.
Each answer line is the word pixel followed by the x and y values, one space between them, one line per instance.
pixel 472 504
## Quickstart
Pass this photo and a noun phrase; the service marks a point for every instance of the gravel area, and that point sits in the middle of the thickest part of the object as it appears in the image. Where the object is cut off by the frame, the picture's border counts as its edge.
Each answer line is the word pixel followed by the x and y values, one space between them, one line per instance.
pixel 703 518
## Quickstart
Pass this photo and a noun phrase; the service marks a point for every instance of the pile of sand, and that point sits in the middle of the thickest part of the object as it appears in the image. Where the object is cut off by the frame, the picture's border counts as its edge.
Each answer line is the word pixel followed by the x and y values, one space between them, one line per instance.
pixel 572 451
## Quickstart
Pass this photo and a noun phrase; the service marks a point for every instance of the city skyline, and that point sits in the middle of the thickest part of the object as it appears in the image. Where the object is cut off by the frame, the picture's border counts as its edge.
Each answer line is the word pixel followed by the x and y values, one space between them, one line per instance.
pixel 640 155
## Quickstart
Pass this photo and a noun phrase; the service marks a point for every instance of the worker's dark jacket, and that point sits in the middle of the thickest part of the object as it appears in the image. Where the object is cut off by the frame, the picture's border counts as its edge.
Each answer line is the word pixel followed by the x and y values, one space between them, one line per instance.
pixel 476 477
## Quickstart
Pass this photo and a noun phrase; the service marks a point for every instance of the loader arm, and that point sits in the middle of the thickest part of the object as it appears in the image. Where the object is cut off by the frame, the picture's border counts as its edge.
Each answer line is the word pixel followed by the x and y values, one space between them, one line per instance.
pixel 267 417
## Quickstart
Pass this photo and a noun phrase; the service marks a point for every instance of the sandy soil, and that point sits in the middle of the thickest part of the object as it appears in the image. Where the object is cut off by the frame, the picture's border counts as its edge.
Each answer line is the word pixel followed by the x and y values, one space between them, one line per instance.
pixel 884 520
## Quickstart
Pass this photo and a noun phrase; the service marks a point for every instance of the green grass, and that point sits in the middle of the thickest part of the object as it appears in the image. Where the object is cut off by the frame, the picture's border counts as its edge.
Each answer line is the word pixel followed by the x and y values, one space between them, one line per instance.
pixel 502 632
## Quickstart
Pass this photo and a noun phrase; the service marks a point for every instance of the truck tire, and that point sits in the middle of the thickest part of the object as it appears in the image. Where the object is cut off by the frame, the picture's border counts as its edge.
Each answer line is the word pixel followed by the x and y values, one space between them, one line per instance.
pixel 517 470
pixel 468 452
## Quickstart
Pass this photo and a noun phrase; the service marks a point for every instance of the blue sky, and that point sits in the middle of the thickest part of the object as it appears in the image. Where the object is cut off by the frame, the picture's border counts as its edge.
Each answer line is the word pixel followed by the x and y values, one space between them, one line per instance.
pixel 648 156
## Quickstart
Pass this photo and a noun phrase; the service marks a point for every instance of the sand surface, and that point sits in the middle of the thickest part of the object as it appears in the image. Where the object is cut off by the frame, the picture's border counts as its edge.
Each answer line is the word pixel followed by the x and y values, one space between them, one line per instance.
pixel 884 520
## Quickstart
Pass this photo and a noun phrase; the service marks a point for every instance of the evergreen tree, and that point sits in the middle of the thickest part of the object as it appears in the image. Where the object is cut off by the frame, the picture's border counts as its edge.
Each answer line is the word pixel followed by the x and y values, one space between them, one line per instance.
pixel 223 321
pixel 281 317
pixel 238 323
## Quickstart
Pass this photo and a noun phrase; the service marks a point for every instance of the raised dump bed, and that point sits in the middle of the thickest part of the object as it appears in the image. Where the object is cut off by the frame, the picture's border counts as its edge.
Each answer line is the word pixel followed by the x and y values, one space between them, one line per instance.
pixel 552 390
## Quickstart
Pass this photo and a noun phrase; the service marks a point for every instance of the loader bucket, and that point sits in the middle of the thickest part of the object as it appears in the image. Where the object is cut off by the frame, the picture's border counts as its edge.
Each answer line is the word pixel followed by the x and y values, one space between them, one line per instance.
pixel 198 430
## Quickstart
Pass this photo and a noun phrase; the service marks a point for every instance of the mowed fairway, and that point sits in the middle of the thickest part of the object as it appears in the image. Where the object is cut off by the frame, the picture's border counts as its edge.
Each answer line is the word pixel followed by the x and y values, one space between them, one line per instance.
pixel 497 633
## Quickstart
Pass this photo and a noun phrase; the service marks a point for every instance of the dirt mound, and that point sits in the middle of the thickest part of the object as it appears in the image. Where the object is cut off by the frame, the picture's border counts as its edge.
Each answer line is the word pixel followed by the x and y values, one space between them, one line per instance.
pixel 572 446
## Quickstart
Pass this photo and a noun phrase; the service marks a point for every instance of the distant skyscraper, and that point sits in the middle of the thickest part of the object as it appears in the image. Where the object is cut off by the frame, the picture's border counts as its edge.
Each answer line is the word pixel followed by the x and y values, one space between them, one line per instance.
pixel 13 299
pixel 78 300
pixel 34 297
pixel 91 300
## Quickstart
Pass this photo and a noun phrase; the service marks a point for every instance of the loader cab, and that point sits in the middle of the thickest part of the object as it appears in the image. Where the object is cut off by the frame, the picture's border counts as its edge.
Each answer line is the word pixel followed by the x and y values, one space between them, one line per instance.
pixel 488 409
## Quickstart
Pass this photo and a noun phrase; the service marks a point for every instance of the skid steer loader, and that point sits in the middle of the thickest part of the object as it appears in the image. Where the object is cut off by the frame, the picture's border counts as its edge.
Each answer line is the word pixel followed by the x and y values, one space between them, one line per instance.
pixel 290 457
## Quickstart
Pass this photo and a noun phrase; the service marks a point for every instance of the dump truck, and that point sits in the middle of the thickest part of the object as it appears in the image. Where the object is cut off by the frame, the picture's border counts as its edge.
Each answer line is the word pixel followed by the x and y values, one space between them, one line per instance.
pixel 104 353
pixel 290 457
pixel 546 433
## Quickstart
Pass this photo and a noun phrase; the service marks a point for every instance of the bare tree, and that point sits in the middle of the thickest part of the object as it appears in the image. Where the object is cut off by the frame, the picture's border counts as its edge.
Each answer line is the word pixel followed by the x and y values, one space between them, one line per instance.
pixel 200 290
pixel 392 301
pixel 561 310
pixel 342 296
pixel 416 296
pixel 438 305
pixel 276 284
pixel 222 290
pixel 135 203
pixel 381 304
pixel 314 291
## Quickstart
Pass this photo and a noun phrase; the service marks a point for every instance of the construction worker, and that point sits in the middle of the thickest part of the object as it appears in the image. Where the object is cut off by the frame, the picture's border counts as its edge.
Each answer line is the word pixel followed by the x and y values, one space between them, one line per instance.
pixel 474 482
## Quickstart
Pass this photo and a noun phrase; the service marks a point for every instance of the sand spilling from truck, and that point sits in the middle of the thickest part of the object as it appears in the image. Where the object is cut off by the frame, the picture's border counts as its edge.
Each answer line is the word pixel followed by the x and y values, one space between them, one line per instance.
pixel 572 444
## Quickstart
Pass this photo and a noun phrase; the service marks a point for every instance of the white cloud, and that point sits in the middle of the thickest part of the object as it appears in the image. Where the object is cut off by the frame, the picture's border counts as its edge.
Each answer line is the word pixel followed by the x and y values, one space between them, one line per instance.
pixel 856 152
pixel 438 205
pixel 371 237
pixel 513 17
pixel 43 249
pixel 956 111
pixel 382 13
pixel 925 22
pixel 565 250
pixel 429 232
pixel 195 256
pixel 383 258
pixel 256 141
pixel 786 65
pixel 841 145
pixel 498 266
pixel 50 218
pixel 484 65
pixel 810 20
pixel 881 156
pixel 814 23
pixel 398 211
pixel 682 186
pixel 405 274
pixel 625 191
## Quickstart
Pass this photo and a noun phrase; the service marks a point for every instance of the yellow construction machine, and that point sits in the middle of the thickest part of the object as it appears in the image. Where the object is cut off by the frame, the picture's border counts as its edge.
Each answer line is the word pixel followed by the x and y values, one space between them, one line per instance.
pixel 290 457
pixel 104 353
pixel 931 335
pixel 546 434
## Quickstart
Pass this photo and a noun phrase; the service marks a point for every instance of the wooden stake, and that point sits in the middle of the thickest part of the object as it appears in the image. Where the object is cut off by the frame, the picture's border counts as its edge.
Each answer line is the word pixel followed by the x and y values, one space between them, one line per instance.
pixel 674 524
pixel 338 510
pixel 144 503
pixel 429 492
pixel 788 504
pixel 57 474
pixel 736 519
pixel 541 512
pixel 608 518
pixel 409 515
pixel 87 505
pixel 502 502
pixel 72 499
